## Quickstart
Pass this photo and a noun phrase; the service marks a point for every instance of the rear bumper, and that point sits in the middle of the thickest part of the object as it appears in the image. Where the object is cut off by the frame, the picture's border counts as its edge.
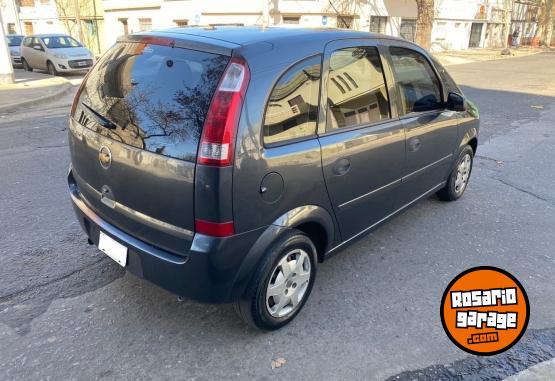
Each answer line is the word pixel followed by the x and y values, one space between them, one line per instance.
pixel 212 270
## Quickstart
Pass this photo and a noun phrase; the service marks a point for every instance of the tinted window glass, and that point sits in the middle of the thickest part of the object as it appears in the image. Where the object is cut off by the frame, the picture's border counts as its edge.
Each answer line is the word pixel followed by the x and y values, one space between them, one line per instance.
pixel 157 96
pixel 356 88
pixel 446 78
pixel 418 85
pixel 36 42
pixel 292 110
pixel 14 40
pixel 60 42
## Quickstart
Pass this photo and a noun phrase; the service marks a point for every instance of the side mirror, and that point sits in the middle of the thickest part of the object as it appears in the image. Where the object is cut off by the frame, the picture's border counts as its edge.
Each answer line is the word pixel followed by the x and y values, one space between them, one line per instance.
pixel 37 47
pixel 456 102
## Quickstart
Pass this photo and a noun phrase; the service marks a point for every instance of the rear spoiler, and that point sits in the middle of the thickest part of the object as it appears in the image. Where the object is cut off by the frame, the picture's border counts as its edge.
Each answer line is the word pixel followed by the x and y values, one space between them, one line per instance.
pixel 182 40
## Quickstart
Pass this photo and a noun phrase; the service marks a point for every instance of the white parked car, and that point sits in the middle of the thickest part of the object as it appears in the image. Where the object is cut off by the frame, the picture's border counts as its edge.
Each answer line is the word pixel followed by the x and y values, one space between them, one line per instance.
pixel 55 53
pixel 14 43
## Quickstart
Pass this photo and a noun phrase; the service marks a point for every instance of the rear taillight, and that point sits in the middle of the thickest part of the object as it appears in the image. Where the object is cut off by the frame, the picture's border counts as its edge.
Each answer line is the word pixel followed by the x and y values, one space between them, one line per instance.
pixel 214 229
pixel 218 135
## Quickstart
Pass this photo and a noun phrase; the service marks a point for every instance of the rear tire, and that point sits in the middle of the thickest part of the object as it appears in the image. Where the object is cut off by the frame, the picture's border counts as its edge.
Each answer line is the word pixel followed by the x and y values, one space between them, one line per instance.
pixel 51 69
pixel 459 177
pixel 26 66
pixel 281 284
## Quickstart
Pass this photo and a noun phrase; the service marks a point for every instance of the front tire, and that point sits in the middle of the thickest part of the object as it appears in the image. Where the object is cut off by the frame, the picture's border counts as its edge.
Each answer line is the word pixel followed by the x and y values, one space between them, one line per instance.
pixel 459 177
pixel 51 69
pixel 282 283
pixel 26 66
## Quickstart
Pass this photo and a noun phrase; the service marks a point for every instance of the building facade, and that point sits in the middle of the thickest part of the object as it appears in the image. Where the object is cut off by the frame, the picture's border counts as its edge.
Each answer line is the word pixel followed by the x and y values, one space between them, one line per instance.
pixel 459 24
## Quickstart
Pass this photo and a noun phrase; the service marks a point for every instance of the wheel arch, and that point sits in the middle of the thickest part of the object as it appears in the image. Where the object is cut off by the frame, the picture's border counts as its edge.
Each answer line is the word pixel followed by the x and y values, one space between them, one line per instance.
pixel 314 221
pixel 470 138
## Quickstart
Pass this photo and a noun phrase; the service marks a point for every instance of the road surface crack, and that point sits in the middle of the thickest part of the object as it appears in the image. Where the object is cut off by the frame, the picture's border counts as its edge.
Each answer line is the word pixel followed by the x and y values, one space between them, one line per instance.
pixel 8 297
pixel 530 193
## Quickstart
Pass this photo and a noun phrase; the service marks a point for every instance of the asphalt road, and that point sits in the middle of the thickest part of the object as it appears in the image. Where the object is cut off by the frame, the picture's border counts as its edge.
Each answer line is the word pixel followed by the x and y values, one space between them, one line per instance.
pixel 69 312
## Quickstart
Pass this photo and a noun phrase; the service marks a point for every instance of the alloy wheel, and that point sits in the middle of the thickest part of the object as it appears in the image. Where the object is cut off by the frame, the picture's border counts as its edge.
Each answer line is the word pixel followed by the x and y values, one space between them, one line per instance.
pixel 288 283
pixel 463 173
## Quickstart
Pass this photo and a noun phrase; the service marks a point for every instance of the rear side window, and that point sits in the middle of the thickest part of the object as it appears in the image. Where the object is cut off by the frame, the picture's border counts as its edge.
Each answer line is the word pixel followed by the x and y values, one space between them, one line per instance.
pixel 292 110
pixel 417 82
pixel 356 89
pixel 157 96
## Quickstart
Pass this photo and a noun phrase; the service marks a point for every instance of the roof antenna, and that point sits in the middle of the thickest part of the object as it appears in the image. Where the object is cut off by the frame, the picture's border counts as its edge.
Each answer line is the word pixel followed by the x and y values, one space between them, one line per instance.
pixel 337 12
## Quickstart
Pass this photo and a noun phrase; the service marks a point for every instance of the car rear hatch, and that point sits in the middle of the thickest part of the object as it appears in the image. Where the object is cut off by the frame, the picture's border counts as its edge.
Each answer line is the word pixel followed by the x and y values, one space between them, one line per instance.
pixel 134 133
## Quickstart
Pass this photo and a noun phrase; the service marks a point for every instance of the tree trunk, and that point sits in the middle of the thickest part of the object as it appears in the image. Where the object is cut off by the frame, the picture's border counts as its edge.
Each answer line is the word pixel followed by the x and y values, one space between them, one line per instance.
pixel 424 22
pixel 507 14
pixel 546 22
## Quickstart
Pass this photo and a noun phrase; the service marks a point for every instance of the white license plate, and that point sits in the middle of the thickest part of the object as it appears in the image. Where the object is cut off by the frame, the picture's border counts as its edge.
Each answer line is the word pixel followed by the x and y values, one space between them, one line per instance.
pixel 81 63
pixel 113 249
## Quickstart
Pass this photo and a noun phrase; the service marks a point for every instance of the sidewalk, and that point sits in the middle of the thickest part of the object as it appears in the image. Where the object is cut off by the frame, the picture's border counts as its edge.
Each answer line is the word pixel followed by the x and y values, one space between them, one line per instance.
pixel 31 88
pixel 477 55
pixel 544 371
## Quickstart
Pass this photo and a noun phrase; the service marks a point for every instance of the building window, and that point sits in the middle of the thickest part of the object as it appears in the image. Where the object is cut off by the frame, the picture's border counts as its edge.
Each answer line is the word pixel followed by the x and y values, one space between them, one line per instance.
pixel 181 23
pixel 292 110
pixel 356 88
pixel 408 29
pixel 344 22
pixel 145 24
pixel 26 3
pixel 28 27
pixel 11 28
pixel 125 26
pixel 378 24
pixel 291 19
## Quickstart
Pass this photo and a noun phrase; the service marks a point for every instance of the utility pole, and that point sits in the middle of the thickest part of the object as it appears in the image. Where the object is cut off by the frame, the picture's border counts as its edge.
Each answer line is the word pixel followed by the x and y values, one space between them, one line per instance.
pixel 265 13
pixel 6 69
pixel 78 20
pixel 16 14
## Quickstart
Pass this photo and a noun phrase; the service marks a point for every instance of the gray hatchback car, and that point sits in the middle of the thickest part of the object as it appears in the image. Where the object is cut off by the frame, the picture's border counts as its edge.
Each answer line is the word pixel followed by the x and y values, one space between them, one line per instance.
pixel 223 164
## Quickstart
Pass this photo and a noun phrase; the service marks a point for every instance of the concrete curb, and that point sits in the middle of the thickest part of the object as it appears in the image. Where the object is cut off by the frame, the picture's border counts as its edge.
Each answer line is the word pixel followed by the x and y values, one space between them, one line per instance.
pixel 64 89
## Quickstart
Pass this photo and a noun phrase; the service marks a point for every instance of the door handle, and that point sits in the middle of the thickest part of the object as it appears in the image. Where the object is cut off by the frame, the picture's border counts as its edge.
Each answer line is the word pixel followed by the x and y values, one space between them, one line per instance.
pixel 414 144
pixel 341 166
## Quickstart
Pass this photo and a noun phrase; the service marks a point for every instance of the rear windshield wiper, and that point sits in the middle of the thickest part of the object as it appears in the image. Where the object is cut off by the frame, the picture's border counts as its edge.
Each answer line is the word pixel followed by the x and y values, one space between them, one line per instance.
pixel 103 121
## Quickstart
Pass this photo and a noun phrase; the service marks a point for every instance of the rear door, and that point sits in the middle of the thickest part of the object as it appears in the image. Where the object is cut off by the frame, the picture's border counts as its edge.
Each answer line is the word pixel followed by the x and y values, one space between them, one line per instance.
pixel 134 137
pixel 362 140
pixel 431 129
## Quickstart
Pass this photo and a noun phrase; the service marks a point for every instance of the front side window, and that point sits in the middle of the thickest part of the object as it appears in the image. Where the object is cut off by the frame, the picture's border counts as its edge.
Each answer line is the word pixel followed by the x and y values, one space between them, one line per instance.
pixel 292 110
pixel 356 88
pixel 418 84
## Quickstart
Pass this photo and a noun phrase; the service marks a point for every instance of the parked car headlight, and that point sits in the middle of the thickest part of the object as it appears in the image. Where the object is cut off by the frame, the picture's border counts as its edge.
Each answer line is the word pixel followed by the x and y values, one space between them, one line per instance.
pixel 60 55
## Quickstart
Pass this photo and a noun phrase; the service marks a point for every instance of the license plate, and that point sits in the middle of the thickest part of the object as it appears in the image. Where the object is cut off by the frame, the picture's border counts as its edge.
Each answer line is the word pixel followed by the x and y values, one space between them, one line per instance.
pixel 81 63
pixel 113 249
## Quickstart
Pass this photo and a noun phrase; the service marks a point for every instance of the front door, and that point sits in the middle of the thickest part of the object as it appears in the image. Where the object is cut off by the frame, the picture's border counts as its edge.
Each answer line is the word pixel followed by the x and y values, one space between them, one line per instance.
pixel 431 130
pixel 362 140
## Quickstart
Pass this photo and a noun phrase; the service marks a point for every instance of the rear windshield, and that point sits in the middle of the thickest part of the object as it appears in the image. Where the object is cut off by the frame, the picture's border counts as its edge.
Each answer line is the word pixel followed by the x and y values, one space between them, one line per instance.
pixel 155 96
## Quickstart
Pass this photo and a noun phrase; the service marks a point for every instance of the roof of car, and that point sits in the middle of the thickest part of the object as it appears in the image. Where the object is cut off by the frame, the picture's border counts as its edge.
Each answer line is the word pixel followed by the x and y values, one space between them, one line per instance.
pixel 48 35
pixel 251 35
